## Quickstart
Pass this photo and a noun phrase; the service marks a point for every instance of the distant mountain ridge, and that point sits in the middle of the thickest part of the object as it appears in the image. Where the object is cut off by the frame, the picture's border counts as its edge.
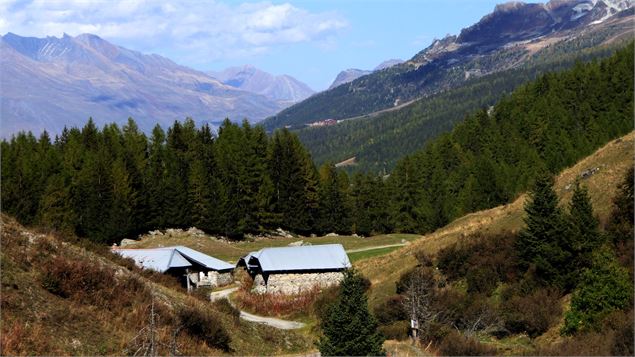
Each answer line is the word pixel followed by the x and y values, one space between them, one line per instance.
pixel 48 83
pixel 283 88
pixel 351 74
pixel 503 39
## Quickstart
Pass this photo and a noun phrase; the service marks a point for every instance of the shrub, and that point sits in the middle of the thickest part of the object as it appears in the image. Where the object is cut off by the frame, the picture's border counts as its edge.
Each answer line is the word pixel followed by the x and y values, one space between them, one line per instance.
pixel 225 307
pixel 323 301
pixel 455 344
pixel 204 326
pixel 276 304
pixel 482 280
pixel 533 313
pixel 391 310
pixel 397 330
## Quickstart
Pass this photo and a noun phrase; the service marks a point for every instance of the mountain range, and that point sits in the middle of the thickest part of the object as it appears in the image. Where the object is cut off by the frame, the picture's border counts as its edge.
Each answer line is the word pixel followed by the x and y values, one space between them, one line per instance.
pixel 283 89
pixel 503 39
pixel 48 83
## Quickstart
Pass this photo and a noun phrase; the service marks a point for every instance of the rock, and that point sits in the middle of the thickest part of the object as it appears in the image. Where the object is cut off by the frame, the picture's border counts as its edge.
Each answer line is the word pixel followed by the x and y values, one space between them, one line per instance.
pixel 313 235
pixel 332 235
pixel 195 232
pixel 173 231
pixel 155 233
pixel 283 233
pixel 126 241
pixel 355 235
pixel 296 244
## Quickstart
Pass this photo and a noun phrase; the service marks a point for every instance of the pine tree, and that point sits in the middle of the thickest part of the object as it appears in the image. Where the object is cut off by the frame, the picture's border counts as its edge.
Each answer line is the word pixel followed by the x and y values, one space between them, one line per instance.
pixel 334 210
pixel 583 234
pixel 348 328
pixel 542 243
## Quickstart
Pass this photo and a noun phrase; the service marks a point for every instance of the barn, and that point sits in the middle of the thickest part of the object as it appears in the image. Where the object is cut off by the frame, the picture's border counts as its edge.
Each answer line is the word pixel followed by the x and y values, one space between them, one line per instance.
pixel 290 270
pixel 193 267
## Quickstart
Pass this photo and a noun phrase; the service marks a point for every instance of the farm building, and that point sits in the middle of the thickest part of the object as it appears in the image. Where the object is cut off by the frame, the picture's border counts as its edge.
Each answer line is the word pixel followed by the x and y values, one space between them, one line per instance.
pixel 195 268
pixel 290 270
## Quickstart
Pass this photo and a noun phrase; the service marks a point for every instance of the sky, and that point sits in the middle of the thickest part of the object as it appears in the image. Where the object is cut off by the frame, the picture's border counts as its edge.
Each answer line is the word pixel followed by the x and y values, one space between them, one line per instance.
pixel 309 40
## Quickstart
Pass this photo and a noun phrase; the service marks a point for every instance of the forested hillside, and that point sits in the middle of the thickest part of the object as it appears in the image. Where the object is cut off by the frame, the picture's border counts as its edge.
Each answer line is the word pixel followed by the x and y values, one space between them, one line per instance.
pixel 378 141
pixel 450 62
pixel 114 182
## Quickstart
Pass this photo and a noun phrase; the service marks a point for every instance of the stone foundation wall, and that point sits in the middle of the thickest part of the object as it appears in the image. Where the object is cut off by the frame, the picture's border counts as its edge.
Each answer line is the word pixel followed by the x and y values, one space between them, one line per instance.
pixel 213 278
pixel 295 283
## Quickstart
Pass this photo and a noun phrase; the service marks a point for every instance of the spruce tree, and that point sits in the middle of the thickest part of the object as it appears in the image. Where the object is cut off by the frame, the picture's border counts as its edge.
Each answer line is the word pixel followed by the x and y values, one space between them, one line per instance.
pixel 542 243
pixel 583 234
pixel 348 328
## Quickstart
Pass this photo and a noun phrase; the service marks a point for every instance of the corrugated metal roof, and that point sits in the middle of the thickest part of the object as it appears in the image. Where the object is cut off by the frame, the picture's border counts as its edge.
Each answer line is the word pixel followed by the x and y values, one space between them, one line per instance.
pixel 159 259
pixel 309 257
pixel 203 259
pixel 162 259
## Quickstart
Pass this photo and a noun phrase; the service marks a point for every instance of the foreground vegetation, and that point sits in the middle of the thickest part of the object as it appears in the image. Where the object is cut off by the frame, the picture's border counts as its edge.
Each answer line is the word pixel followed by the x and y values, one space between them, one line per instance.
pixel 95 303
pixel 481 276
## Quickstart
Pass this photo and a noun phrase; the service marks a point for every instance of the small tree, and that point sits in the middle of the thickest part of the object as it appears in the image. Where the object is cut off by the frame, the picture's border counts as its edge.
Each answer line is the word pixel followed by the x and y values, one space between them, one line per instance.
pixel 542 243
pixel 349 329
pixel 604 287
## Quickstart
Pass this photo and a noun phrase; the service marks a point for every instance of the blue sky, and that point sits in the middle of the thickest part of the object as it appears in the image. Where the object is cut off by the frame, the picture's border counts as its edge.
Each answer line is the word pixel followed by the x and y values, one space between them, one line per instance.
pixel 310 40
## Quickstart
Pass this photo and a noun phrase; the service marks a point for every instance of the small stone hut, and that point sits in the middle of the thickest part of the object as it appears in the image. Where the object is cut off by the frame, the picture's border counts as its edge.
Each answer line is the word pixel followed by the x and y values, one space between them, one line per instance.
pixel 192 267
pixel 290 270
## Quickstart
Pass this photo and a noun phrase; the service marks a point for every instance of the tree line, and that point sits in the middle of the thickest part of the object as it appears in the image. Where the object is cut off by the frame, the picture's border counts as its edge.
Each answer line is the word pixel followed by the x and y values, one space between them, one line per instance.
pixel 115 182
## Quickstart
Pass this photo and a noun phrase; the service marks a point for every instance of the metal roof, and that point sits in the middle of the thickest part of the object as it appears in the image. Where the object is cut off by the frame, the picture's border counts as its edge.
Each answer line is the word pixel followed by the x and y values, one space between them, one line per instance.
pixel 162 259
pixel 203 259
pixel 159 259
pixel 309 257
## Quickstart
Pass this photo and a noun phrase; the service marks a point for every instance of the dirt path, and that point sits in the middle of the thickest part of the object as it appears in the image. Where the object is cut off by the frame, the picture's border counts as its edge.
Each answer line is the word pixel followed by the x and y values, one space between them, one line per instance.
pixel 376 247
pixel 270 321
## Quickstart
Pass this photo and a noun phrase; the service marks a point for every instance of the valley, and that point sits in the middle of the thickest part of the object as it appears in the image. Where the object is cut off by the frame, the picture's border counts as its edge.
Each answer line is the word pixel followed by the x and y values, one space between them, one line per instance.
pixel 474 199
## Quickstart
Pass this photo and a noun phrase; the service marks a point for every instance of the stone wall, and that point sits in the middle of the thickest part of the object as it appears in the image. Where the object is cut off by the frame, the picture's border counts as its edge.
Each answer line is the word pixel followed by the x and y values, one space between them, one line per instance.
pixel 212 278
pixel 295 283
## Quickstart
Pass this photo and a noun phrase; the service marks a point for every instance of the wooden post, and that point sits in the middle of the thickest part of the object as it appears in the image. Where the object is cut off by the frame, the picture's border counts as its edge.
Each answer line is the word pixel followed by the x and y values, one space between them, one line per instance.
pixel 414 329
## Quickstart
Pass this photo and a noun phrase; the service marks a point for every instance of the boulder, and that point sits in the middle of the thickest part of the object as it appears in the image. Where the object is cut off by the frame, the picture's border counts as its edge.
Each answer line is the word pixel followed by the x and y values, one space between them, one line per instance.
pixel 332 235
pixel 126 241
pixel 296 244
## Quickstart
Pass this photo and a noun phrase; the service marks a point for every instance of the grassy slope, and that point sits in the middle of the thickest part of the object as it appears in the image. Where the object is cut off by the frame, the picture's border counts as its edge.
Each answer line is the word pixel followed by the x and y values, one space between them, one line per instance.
pixel 613 160
pixel 37 322
pixel 233 251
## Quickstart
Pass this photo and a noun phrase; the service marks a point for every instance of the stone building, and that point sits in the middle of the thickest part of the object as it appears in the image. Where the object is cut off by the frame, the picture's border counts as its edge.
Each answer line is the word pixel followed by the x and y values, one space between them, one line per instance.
pixel 194 268
pixel 290 270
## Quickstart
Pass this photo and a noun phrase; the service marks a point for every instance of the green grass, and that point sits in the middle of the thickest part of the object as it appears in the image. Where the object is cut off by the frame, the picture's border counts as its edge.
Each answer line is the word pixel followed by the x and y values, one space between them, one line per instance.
pixel 232 251
pixel 356 256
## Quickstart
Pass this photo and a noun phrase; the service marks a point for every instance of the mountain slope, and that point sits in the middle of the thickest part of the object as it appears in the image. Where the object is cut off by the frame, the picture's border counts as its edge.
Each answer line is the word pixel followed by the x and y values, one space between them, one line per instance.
pixel 495 43
pixel 59 298
pixel 49 83
pixel 283 89
pixel 377 140
pixel 352 74
pixel 613 160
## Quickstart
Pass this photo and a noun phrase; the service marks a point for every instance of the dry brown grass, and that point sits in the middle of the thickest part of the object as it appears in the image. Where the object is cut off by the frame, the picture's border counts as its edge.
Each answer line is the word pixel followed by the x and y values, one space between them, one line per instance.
pixel 61 299
pixel 613 159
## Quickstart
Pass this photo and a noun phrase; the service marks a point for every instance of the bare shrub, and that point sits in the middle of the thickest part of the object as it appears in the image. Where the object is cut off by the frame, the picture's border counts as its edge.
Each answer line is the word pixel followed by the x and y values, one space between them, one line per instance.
pixel 456 344
pixel 397 330
pixel 534 313
pixel 204 326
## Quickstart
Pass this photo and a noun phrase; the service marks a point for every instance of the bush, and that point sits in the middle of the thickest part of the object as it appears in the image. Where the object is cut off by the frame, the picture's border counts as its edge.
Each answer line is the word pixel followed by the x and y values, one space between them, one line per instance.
pixel 533 314
pixel 397 330
pixel 225 307
pixel 324 301
pixel 90 283
pixel 481 280
pixel 391 310
pixel 276 304
pixel 455 344
pixel 204 326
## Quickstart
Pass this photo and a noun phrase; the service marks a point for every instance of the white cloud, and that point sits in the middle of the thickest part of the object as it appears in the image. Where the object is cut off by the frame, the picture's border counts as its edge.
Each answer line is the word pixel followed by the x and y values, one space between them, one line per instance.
pixel 208 30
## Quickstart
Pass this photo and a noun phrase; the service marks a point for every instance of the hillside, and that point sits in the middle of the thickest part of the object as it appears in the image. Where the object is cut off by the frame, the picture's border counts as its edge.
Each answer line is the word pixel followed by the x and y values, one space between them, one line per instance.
pixel 612 161
pixel 379 139
pixel 449 62
pixel 49 83
pixel 98 304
